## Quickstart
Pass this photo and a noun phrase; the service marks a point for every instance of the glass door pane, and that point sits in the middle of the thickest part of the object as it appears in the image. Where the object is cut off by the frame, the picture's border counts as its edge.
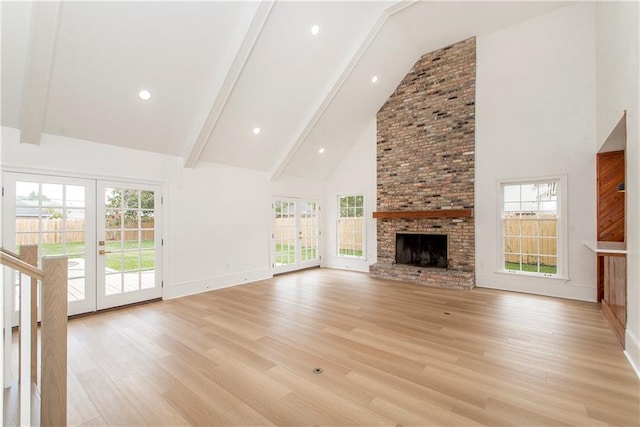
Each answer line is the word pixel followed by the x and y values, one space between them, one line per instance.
pixel 296 235
pixel 57 214
pixel 285 236
pixel 129 250
pixel 309 236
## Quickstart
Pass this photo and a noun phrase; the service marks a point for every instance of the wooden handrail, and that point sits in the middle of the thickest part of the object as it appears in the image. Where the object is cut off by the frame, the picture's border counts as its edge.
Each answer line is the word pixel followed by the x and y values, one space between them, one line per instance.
pixel 19 265
pixel 53 384
pixel 8 252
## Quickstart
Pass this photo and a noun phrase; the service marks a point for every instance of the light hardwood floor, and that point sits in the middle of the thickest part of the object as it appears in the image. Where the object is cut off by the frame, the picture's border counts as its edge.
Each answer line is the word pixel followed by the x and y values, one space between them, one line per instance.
pixel 391 353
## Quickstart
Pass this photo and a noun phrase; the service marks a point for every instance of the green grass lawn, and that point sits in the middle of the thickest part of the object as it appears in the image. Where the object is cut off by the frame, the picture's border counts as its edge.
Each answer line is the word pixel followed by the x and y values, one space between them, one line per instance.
pixel 115 261
pixel 285 254
pixel 552 269
pixel 351 252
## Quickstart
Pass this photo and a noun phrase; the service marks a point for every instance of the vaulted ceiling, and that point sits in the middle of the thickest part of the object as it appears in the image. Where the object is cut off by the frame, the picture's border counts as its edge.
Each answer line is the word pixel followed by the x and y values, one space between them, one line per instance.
pixel 218 70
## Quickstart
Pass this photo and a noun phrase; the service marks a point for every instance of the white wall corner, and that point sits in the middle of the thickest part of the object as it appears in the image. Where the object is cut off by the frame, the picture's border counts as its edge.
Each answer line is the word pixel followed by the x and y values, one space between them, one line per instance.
pixel 632 351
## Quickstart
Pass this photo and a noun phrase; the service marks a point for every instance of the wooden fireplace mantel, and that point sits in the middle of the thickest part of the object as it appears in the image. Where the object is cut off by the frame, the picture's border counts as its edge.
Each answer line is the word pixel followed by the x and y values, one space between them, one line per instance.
pixel 440 213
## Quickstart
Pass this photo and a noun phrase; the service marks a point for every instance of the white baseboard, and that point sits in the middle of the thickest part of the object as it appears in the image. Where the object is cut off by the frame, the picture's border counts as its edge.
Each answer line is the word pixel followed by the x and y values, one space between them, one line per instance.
pixel 178 290
pixel 538 286
pixel 351 264
pixel 632 351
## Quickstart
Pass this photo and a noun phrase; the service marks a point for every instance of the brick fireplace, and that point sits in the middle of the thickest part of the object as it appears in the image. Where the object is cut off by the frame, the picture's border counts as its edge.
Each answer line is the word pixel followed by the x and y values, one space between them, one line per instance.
pixel 425 166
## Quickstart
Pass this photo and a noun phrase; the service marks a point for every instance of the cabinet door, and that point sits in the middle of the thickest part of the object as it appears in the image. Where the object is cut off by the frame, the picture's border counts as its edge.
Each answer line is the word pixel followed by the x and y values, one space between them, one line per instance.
pixel 615 286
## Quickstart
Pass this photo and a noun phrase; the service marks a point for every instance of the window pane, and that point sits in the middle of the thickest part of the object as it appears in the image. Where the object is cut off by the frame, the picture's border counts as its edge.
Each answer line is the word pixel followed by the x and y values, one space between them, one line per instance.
pixel 74 196
pixel 131 198
pixel 113 283
pixel 512 227
pixel 52 195
pixel 530 211
pixel 27 193
pixel 512 262
pixel 131 261
pixel 349 226
pixel 113 197
pixel 549 262
pixel 113 218
pixel 113 262
pixel 113 240
pixel 147 199
pixel 75 244
pixel 512 207
pixel 52 244
pixel 75 216
pixel 529 245
pixel 548 246
pixel 512 245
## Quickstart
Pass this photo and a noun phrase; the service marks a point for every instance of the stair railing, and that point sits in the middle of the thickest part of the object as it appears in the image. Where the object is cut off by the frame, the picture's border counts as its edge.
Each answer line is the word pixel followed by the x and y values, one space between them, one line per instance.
pixel 51 390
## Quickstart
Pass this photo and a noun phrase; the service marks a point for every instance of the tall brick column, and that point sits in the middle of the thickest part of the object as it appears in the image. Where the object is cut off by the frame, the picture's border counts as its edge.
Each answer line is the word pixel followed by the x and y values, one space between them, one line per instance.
pixel 425 161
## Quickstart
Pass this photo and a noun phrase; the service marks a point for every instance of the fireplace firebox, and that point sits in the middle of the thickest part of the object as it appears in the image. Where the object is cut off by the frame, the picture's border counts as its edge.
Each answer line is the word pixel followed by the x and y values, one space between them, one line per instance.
pixel 423 250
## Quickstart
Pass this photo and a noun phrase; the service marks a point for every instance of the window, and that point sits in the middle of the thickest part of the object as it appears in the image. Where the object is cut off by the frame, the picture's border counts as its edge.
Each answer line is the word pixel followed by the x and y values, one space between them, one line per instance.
pixel 351 226
pixel 531 227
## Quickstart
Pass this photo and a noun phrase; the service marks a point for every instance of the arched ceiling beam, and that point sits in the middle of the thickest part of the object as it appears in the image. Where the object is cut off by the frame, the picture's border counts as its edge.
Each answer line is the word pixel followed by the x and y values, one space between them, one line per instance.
pixel 35 92
pixel 239 61
pixel 326 100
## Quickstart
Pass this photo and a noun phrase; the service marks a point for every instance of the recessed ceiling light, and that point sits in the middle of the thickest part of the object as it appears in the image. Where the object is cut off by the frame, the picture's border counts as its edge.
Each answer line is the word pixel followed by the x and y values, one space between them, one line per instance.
pixel 321 150
pixel 374 79
pixel 315 29
pixel 256 131
pixel 145 95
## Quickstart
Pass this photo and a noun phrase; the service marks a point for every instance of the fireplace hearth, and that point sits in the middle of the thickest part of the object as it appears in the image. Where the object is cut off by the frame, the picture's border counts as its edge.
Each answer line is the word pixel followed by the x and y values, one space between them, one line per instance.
pixel 422 250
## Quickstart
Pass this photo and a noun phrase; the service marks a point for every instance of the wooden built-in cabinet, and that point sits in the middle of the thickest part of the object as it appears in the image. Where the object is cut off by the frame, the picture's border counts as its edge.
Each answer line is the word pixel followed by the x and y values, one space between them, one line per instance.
pixel 614 301
pixel 610 247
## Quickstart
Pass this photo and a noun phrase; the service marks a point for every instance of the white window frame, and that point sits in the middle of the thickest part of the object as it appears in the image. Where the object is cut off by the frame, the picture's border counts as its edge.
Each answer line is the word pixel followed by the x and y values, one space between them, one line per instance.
pixel 364 226
pixel 562 241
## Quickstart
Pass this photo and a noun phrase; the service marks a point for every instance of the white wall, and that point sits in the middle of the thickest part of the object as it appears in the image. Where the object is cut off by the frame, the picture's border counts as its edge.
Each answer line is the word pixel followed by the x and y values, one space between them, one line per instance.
pixel 535 117
pixel 618 90
pixel 216 218
pixel 303 188
pixel 356 174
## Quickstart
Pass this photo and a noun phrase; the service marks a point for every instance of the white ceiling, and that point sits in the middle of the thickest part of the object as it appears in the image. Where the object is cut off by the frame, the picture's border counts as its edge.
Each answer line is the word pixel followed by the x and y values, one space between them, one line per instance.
pixel 216 70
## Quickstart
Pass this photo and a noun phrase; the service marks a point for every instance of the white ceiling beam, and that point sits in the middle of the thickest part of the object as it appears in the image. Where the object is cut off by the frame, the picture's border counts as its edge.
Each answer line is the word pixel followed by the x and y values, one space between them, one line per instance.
pixel 35 93
pixel 239 61
pixel 326 100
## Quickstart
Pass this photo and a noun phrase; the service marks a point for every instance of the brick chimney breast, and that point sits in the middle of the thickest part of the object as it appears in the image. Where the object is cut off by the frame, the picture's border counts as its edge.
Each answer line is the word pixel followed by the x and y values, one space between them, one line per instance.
pixel 425 162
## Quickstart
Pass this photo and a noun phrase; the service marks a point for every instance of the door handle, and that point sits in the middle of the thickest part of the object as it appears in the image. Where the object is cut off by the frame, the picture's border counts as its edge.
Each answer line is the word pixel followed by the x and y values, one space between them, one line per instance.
pixel 102 252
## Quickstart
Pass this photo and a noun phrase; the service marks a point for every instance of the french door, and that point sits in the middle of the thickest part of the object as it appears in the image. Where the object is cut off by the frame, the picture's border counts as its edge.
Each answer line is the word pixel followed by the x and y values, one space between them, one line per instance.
pixel 296 234
pixel 108 231
pixel 129 243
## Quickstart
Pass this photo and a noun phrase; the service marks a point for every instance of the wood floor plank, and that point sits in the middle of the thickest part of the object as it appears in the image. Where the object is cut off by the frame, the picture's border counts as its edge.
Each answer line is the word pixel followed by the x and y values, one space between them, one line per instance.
pixel 80 407
pixel 392 354
pixel 115 409
pixel 194 407
pixel 150 404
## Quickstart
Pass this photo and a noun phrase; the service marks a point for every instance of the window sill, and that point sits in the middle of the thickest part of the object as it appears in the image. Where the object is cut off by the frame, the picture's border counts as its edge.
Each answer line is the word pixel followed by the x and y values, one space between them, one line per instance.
pixel 534 275
pixel 350 257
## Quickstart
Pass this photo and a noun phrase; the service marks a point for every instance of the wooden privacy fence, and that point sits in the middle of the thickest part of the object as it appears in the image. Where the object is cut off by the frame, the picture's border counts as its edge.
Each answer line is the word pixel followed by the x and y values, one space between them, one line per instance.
pixel 349 233
pixel 285 227
pixel 51 230
pixel 532 236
